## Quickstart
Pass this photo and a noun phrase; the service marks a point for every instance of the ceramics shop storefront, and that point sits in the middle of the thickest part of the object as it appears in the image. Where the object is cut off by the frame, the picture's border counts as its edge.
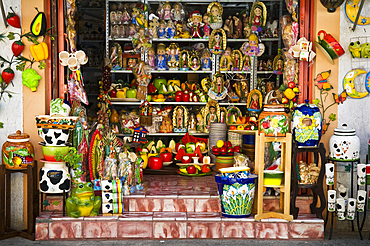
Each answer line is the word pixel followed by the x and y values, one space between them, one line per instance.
pixel 183 120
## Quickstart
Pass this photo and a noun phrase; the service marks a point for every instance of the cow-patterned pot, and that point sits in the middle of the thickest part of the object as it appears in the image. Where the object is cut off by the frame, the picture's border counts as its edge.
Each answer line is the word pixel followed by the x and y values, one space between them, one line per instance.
pixel 344 145
pixel 54 177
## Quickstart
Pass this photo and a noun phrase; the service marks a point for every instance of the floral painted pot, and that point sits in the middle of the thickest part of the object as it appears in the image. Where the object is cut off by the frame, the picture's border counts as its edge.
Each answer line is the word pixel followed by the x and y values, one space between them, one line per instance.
pixel 344 145
pixel 307 125
pixel 273 121
pixel 17 151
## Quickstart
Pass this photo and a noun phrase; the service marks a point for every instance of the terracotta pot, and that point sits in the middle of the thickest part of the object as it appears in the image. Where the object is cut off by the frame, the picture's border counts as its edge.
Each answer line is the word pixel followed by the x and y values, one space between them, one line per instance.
pixel 17 151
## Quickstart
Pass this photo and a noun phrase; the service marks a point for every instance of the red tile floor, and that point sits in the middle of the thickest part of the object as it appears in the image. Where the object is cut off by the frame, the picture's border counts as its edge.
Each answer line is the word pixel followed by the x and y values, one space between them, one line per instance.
pixel 172 206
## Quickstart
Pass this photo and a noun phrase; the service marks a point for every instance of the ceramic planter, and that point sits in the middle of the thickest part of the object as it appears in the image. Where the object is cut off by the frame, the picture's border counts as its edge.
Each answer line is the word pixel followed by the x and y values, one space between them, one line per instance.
pixel 307 125
pixel 54 137
pixel 49 152
pixel 17 151
pixel 54 177
pixel 344 145
pixel 273 121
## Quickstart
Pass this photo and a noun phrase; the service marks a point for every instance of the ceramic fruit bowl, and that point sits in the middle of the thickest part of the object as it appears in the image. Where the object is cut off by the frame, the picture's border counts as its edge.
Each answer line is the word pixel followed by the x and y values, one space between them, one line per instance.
pixel 199 164
pixel 272 178
pixel 165 164
pixel 49 152
pixel 54 137
pixel 56 122
pixel 195 174
pixel 222 153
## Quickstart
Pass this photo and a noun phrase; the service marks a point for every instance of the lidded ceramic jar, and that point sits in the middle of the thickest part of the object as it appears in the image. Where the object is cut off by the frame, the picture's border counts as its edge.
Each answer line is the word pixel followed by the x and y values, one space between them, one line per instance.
pixel 17 151
pixel 344 145
pixel 54 177
pixel 307 125
pixel 273 121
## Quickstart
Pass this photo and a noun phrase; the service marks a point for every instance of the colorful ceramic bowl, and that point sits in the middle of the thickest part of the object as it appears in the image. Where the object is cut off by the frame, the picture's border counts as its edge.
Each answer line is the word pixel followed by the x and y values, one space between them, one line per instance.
pixel 329 46
pixel 272 178
pixel 56 122
pixel 49 152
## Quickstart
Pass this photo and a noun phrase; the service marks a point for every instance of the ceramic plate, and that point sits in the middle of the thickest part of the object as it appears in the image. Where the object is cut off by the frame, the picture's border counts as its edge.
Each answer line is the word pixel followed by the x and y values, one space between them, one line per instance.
pixel 325 53
pixel 167 163
pixel 124 100
pixel 194 175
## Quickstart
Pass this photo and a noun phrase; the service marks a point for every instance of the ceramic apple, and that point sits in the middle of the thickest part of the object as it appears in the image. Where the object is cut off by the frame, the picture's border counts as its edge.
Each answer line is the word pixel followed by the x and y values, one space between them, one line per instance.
pixel 186 159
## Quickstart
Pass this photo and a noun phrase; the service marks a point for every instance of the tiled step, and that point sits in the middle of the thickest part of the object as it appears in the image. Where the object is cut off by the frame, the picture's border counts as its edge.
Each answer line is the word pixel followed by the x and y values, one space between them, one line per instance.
pixel 167 225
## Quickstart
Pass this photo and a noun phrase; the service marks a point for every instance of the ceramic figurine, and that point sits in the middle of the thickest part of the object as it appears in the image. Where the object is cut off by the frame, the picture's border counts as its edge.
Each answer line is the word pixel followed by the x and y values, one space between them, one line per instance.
pixel 258 17
pixel 151 57
pixel 195 23
pixel 206 27
pixel 166 120
pixel 211 114
pixel 206 60
pixel 143 77
pixel 278 64
pixel 200 122
pixel 180 32
pixel 161 33
pixel 253 48
pixel 180 119
pixel 164 11
pixel 238 27
pixel 125 17
pixel 217 41
pixel 246 27
pixel 134 14
pixel 177 13
pixel 218 91
pixel 171 29
pixel 307 125
pixel 246 63
pixel 215 11
pixel 141 41
pixel 194 62
pixel 237 58
pixel 173 56
pixel 254 101
pixel 153 28
pixel 161 57
pixel 229 27
pixel 83 201
pixel 184 57
pixel 226 61
pixel 192 127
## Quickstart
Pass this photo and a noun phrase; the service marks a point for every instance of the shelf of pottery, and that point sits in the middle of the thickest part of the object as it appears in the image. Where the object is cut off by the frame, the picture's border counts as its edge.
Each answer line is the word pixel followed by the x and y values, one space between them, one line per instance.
pixel 211 59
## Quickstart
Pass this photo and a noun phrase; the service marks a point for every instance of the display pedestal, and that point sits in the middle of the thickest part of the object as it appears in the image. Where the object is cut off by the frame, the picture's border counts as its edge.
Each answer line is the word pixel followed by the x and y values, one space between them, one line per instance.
pixel 5 202
pixel 317 189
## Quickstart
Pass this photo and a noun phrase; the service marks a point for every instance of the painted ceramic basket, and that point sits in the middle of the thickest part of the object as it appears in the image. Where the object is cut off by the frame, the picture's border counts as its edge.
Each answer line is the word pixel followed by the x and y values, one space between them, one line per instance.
pixel 307 125
pixel 56 122
pixel 236 195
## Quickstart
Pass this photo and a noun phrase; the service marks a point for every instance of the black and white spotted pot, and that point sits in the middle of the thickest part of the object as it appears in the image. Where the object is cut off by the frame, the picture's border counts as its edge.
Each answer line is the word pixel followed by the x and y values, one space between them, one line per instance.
pixel 54 137
pixel 344 145
pixel 54 177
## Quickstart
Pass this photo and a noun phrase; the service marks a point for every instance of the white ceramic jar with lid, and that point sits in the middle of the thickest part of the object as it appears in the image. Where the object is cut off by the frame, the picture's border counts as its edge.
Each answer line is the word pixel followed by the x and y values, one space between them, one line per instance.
pixel 344 145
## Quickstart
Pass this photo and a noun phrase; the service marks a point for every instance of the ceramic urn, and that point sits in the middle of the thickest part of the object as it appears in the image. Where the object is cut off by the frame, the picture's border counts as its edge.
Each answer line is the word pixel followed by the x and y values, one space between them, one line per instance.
pixel 17 151
pixel 344 145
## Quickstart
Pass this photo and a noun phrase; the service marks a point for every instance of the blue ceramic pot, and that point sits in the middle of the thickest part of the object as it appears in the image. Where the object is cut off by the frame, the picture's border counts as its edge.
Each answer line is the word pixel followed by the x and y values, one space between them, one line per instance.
pixel 307 125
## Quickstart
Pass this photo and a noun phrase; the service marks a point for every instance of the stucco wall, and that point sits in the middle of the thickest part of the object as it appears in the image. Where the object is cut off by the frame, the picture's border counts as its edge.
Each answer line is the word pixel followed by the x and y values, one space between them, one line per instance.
pixel 11 114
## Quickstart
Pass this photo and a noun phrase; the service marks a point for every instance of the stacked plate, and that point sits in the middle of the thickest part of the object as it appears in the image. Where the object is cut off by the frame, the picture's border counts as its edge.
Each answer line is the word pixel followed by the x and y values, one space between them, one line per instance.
pixel 217 131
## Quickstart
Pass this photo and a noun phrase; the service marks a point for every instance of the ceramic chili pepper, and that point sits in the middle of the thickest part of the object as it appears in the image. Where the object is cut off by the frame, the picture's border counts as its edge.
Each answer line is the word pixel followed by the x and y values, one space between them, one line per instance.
pixel 8 75
pixel 13 19
pixel 17 48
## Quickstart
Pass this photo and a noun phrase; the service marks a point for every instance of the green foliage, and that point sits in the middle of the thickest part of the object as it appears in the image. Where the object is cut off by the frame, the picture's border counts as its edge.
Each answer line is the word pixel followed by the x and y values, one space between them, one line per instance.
pixel 45 203
pixel 42 65
pixel 11 36
pixel 316 101
pixel 332 117
pixel 56 203
pixel 73 159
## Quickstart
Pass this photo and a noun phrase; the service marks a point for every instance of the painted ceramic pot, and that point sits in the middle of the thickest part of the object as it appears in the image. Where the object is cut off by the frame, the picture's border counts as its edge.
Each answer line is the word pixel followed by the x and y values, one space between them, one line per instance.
pixel 54 177
pixel 49 152
pixel 344 145
pixel 273 121
pixel 329 46
pixel 331 5
pixel 307 125
pixel 54 137
pixel 17 151
pixel 56 122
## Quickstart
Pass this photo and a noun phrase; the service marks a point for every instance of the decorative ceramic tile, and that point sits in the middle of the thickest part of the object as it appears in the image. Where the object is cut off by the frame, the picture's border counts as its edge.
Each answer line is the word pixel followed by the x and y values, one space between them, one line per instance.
pixel 165 229
pixel 42 231
pixel 145 205
pixel 52 200
pixel 309 230
pixel 193 194
pixel 204 229
pixel 161 194
pixel 238 229
pixel 267 230
pixel 207 205
pixel 169 216
pixel 135 216
pixel 204 216
pixel 100 229
pixel 62 230
pixel 135 229
pixel 177 205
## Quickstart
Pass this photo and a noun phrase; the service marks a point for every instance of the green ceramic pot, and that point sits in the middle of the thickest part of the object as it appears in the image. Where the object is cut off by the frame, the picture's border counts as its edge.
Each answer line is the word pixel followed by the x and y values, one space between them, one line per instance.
pixel 50 151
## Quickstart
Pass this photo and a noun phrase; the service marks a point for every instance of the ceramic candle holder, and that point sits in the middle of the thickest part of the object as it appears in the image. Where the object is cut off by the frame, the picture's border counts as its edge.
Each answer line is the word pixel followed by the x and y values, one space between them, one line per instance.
pixel 361 174
pixel 329 172
pixel 331 200
pixel 361 196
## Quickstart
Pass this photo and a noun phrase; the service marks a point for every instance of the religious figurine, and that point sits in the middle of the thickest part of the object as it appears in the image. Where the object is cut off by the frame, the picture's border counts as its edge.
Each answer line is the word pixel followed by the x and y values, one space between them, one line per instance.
pixel 229 27
pixel 177 13
pixel 253 48
pixel 131 63
pixel 153 27
pixel 254 101
pixel 223 113
pixel 200 122
pixel 269 65
pixel 206 84
pixel 238 27
pixel 246 27
pixel 112 17
pixel 278 63
pixel 271 25
pixel 195 23
pixel 218 91
pixel 131 30
pixel 226 61
pixel 215 11
pixel 194 62
pixel 246 63
pixel 162 29
pixel 217 41
pixel 171 29
pixel 166 126
pixel 125 17
pixel 211 114
pixel 180 119
pixel 173 56
pixel 164 11
pixel 141 41
pixel 192 127
pixel 237 58
pixel 258 17
pixel 206 60
pixel 143 77
pixel 180 32
pixel 161 57
pixel 206 27
pixel 184 57
pixel 151 57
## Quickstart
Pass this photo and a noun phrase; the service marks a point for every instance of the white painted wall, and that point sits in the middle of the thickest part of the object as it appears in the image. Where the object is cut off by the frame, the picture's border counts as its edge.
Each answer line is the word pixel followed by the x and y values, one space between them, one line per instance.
pixel 11 114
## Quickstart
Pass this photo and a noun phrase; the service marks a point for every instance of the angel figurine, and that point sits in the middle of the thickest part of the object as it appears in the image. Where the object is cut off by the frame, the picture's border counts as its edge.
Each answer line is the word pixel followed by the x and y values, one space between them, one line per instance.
pixel 206 60
pixel 141 40
pixel 177 12
pixel 195 23
pixel 162 29
pixel 161 57
pixel 258 17
pixel 217 41
pixel 253 48
pixel 125 16
pixel 164 11
pixel 171 29
pixel 183 62
pixel 153 27
pixel 206 27
pixel 173 56
pixel 215 11
pixel 151 57
pixel 218 91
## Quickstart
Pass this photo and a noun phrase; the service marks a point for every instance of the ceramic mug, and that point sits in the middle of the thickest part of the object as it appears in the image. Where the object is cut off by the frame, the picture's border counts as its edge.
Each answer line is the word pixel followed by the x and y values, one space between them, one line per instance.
pixel 295 51
pixel 63 57
pixel 305 46
pixel 304 55
pixel 351 206
pixel 73 64
pixel 329 172
pixel 361 198
pixel 330 44
pixel 331 200
pixel 361 174
pixel 81 57
pixel 54 137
